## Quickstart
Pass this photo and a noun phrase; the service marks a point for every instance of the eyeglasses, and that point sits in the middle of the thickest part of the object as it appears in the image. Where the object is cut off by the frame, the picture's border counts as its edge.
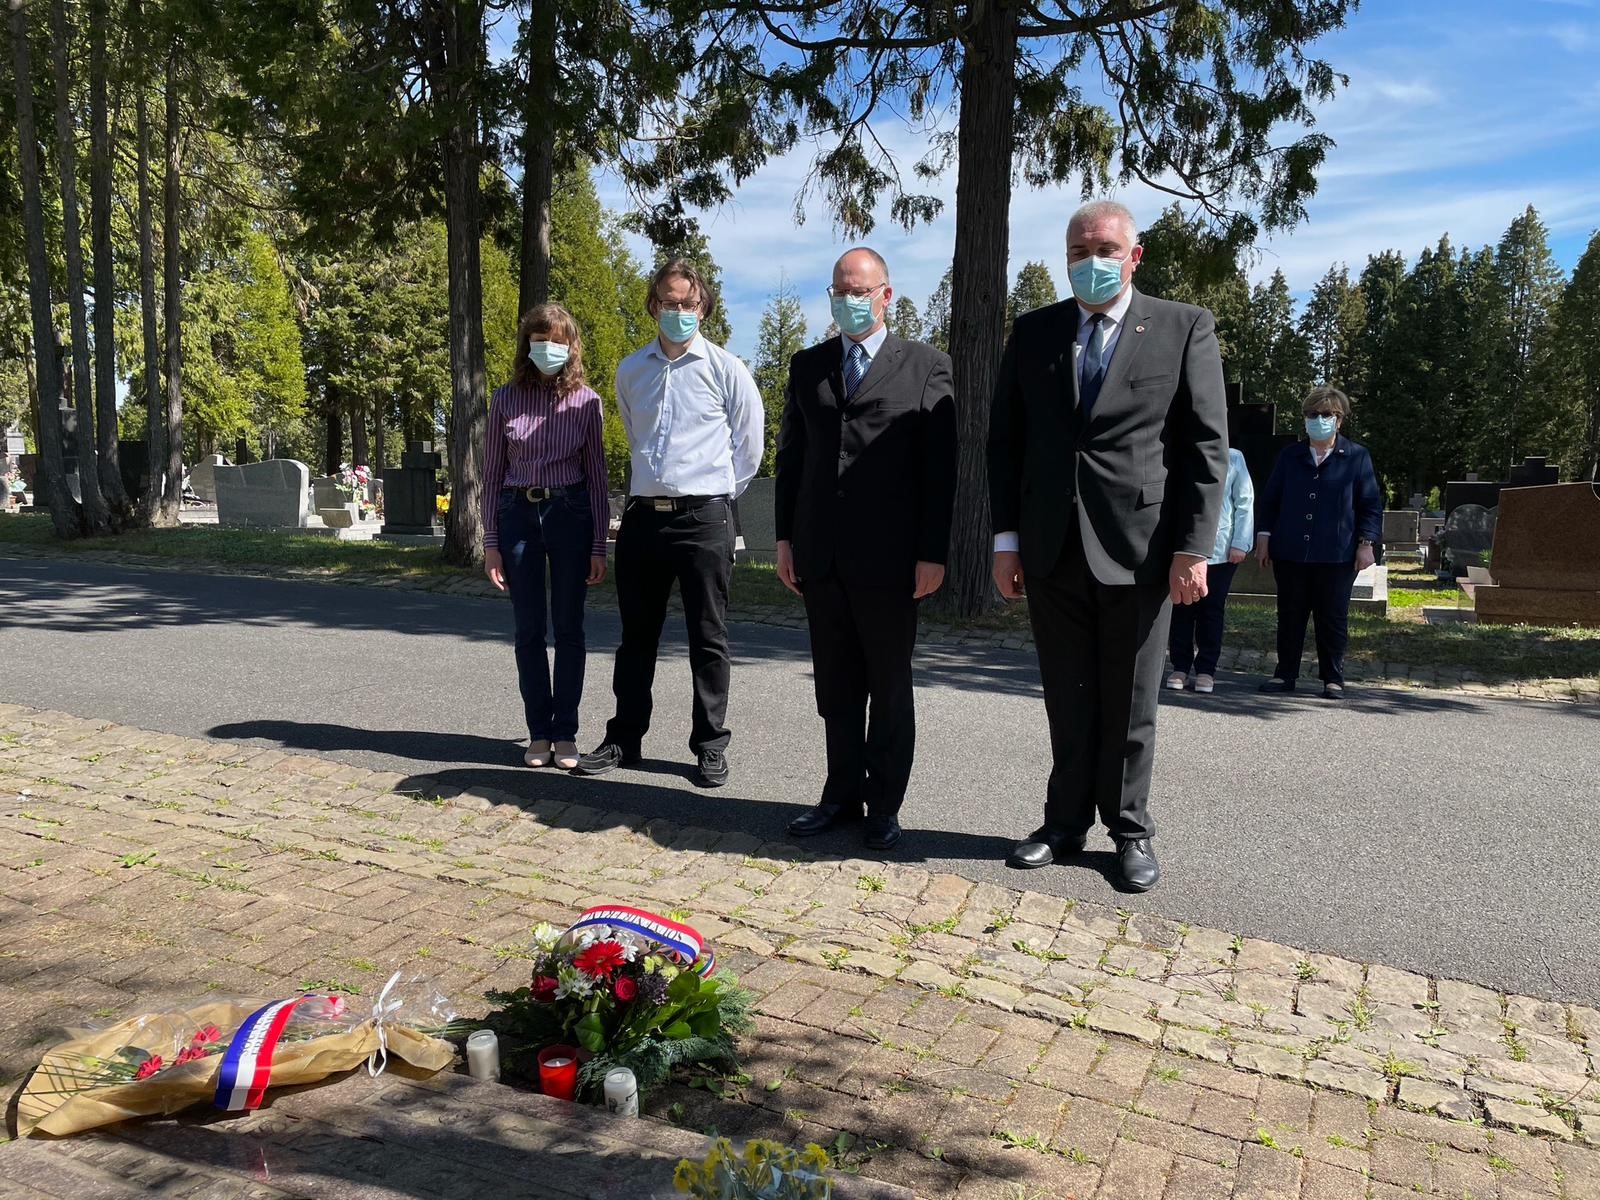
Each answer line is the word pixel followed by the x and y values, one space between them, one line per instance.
pixel 687 306
pixel 1322 414
pixel 836 293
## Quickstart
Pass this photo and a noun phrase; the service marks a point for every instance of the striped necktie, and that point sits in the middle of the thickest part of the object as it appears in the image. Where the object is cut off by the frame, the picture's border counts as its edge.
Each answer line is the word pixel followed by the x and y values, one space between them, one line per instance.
pixel 1091 368
pixel 855 368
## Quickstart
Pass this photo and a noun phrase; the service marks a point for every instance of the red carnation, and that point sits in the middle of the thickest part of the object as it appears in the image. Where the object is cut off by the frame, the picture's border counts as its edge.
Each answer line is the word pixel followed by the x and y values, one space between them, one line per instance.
pixel 601 960
pixel 148 1067
pixel 626 988
pixel 206 1034
pixel 544 988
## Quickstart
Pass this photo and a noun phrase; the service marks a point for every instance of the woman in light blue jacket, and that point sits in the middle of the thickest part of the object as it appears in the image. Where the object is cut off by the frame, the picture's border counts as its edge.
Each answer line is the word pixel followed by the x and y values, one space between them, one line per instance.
pixel 1196 639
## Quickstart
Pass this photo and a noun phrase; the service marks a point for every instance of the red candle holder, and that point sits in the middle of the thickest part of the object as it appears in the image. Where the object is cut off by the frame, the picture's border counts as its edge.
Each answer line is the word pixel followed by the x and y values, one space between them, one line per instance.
pixel 558 1071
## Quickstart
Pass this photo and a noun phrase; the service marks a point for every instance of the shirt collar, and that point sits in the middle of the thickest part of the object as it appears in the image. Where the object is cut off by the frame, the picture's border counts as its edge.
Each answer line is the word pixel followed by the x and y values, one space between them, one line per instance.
pixel 871 344
pixel 693 350
pixel 1114 314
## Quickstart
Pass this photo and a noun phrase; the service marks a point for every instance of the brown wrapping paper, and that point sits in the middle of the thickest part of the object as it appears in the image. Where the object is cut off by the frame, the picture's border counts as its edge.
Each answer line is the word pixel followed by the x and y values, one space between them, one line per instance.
pixel 57 1101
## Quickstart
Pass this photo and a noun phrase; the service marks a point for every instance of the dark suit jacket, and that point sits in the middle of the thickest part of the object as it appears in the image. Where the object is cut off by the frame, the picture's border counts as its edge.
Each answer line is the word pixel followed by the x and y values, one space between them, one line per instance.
pixel 1148 466
pixel 1316 514
pixel 867 488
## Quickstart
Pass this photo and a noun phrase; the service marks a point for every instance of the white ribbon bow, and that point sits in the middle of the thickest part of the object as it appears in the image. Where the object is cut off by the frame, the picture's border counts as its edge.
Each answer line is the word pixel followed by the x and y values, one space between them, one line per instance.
pixel 382 1009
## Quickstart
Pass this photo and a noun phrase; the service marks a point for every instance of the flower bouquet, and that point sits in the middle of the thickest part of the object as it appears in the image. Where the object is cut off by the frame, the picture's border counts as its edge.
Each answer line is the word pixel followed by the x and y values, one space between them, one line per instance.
pixel 353 481
pixel 629 989
pixel 229 1052
pixel 766 1170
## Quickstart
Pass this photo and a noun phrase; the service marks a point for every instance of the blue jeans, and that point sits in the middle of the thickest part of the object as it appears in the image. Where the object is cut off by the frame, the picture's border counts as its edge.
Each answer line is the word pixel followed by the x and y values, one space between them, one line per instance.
pixel 557 534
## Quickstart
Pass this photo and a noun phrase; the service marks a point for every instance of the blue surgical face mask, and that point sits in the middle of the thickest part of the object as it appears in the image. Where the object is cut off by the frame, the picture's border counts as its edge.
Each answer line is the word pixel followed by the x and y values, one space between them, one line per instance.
pixel 853 314
pixel 549 357
pixel 677 326
pixel 1322 428
pixel 1096 280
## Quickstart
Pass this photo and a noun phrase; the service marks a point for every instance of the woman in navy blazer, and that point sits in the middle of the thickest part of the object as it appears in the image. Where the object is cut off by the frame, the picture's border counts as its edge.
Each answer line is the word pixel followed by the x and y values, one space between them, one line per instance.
pixel 1318 521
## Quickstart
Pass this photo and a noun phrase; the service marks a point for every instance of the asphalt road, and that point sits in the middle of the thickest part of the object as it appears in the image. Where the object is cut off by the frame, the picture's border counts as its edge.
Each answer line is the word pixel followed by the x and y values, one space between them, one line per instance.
pixel 1436 833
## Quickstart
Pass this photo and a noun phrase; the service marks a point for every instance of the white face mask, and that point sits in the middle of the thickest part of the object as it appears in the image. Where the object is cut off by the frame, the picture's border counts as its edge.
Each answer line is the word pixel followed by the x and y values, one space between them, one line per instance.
pixel 549 357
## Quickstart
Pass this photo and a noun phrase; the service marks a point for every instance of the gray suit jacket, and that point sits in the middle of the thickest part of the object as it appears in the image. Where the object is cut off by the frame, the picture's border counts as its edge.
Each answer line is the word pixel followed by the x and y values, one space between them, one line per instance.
pixel 1143 475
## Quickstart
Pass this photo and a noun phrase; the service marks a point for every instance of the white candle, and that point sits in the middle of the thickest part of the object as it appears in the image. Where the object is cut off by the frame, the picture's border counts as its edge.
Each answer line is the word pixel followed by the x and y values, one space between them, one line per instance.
pixel 483 1055
pixel 622 1093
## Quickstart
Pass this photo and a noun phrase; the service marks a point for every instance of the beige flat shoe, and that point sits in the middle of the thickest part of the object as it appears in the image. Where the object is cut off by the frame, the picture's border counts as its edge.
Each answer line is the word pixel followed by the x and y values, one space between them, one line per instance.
pixel 1204 684
pixel 567 755
pixel 538 754
pixel 1176 681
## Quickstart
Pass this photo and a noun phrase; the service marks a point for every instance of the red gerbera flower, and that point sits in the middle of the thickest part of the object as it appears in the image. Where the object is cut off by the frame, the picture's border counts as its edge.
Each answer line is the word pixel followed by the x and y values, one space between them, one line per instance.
pixel 626 988
pixel 544 988
pixel 600 960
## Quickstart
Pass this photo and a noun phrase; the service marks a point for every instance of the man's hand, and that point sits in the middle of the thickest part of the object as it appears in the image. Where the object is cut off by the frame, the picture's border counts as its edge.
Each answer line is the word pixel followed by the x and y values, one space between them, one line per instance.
pixel 1008 574
pixel 786 567
pixel 1365 557
pixel 495 568
pixel 597 569
pixel 929 577
pixel 1187 579
pixel 1235 556
pixel 1263 550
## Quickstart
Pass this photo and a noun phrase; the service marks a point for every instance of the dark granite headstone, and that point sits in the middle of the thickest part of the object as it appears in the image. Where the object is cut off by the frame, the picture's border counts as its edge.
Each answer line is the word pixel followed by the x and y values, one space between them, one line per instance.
pixel 1534 472
pixel 410 492
pixel 133 460
pixel 1252 431
pixel 1468 535
pixel 1471 490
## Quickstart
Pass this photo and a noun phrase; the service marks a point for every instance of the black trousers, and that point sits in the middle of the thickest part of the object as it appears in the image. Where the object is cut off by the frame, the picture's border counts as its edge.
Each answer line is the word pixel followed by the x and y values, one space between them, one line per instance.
pixel 1322 592
pixel 861 644
pixel 1101 649
pixel 654 550
pixel 1196 637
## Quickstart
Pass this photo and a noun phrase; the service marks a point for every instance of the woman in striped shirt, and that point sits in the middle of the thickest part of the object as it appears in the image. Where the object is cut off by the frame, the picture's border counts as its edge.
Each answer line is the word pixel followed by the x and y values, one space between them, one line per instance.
pixel 545 508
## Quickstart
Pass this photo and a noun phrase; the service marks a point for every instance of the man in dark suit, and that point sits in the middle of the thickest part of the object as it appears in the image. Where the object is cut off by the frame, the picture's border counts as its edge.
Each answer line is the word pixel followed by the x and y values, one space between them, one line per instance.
pixel 866 480
pixel 1108 451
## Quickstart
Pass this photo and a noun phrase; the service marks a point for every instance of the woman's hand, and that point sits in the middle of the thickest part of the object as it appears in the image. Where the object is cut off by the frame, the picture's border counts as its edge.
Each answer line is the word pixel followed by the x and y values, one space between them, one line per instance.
pixel 1235 556
pixel 494 567
pixel 597 569
pixel 1364 556
pixel 1263 548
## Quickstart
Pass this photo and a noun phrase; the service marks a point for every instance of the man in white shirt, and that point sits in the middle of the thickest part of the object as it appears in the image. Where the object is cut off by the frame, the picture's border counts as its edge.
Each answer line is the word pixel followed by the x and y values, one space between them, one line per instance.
pixel 694 422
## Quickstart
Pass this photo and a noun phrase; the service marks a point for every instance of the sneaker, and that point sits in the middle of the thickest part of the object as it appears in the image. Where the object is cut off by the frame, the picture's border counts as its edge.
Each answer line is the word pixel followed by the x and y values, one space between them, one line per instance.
pixel 607 756
pixel 1205 683
pixel 713 768
pixel 1177 681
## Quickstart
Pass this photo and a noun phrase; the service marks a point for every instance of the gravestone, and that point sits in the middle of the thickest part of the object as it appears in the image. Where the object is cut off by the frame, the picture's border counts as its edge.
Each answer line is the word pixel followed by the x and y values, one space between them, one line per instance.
pixel 757 519
pixel 266 495
pixel 1400 526
pixel 15 443
pixel 326 493
pixel 410 492
pixel 133 461
pixel 1468 536
pixel 202 476
pixel 1546 563
pixel 1533 472
pixel 1252 431
pixel 1418 501
pixel 1470 490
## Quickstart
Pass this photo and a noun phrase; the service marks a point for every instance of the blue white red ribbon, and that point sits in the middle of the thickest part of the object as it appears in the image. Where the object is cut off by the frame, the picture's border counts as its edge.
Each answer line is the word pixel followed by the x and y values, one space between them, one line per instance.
pixel 247 1063
pixel 680 942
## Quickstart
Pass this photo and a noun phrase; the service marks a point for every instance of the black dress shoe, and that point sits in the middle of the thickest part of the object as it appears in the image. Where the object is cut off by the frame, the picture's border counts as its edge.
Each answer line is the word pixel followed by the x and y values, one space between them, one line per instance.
pixel 1333 690
pixel 1137 868
pixel 1277 685
pixel 607 756
pixel 713 768
pixel 1044 846
pixel 823 818
pixel 881 832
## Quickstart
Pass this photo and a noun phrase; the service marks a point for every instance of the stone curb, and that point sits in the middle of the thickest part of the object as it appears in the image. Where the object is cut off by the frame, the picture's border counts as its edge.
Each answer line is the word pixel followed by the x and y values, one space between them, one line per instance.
pixel 1581 689
pixel 1446 1047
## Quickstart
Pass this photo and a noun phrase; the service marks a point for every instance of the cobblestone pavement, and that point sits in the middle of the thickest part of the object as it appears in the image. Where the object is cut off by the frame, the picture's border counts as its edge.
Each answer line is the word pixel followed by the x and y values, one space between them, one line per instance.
pixel 955 1038
pixel 1582 689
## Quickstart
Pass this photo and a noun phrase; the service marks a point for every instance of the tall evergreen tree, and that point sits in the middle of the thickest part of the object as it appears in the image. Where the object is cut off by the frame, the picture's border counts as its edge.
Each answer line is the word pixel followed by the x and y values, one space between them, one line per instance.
pixel 936 316
pixel 1274 358
pixel 1034 289
pixel 1332 325
pixel 1531 283
pixel 782 336
pixel 1575 352
pixel 905 321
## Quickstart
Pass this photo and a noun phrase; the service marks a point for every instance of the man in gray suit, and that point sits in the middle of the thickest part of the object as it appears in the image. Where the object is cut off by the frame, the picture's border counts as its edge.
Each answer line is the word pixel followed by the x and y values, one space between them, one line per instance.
pixel 1108 451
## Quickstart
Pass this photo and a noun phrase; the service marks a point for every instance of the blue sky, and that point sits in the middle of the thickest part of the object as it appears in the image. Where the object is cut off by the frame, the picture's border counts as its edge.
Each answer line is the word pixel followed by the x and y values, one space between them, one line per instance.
pixel 1459 113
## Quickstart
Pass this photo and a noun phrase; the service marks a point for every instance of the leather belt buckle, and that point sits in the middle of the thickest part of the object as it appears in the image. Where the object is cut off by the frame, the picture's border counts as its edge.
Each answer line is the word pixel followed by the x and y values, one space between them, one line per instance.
pixel 536 494
pixel 663 503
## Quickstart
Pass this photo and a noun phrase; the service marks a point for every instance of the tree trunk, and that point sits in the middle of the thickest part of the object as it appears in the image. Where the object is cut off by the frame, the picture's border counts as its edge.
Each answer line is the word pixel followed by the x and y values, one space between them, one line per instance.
pixel 94 504
pixel 379 458
pixel 463 544
pixel 360 454
pixel 978 288
pixel 172 502
pixel 538 158
pixel 333 441
pixel 105 280
pixel 63 513
pixel 155 410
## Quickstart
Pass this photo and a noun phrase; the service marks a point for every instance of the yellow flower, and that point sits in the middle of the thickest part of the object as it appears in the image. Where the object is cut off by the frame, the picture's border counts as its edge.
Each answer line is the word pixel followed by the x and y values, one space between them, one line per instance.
pixel 686 1176
pixel 814 1157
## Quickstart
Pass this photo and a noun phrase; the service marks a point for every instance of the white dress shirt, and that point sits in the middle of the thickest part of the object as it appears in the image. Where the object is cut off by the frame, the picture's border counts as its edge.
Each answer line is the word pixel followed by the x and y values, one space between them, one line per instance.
pixel 694 423
pixel 1111 331
pixel 872 343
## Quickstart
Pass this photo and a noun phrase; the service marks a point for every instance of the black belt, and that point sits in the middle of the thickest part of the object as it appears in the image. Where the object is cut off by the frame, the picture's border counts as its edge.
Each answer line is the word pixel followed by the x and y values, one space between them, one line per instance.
pixel 536 494
pixel 676 503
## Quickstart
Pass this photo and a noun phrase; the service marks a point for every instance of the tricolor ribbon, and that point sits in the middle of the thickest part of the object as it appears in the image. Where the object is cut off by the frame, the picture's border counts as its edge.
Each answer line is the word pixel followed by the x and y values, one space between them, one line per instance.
pixel 680 942
pixel 247 1063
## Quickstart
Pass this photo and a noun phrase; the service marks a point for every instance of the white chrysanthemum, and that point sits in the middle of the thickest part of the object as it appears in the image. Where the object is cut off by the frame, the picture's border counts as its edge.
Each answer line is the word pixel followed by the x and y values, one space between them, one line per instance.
pixel 546 935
